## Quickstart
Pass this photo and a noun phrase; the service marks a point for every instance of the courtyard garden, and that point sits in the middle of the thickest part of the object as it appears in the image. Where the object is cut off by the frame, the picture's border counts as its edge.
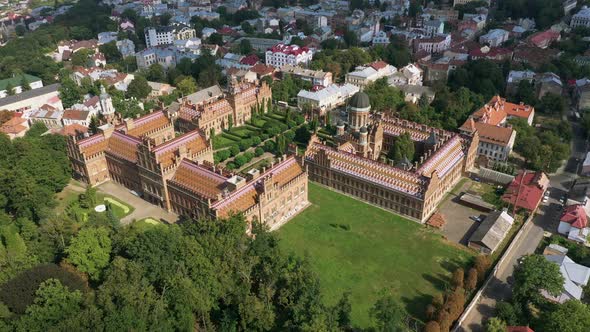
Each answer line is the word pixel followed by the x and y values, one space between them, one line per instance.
pixel 78 205
pixel 363 249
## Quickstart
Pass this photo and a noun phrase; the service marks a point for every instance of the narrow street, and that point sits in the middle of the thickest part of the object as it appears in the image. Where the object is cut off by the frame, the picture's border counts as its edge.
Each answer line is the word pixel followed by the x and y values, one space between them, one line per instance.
pixel 546 219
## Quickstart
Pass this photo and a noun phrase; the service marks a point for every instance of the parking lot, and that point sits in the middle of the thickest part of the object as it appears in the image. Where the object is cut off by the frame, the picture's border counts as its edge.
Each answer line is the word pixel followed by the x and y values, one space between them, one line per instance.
pixel 459 225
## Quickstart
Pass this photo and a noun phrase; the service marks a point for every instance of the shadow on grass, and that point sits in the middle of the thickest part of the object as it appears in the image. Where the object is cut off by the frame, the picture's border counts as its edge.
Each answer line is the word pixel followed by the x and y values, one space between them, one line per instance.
pixel 416 306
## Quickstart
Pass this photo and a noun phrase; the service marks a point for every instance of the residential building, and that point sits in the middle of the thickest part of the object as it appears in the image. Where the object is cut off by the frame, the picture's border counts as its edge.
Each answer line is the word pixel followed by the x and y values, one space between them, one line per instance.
pixel 581 94
pixel 412 189
pixel 411 74
pixel 126 47
pixel 49 116
pixel 463 2
pixel 366 74
pixel 106 37
pixel 177 173
pixel 492 54
pixel 515 77
pixel 110 77
pixel 160 89
pixel 65 49
pixel 548 83
pixel 15 127
pixel 281 54
pixel 573 223
pixel 33 99
pixel 15 84
pixel 74 116
pixel 413 93
pixel 328 98
pixel 433 27
pixel 491 232
pixel 496 139
pixel 316 77
pixel 259 44
pixel 436 44
pixel 156 36
pixel 443 14
pixel 166 57
pixel 581 18
pixel 381 38
pixel 575 277
pixel 526 190
pixel 544 39
pixel 494 37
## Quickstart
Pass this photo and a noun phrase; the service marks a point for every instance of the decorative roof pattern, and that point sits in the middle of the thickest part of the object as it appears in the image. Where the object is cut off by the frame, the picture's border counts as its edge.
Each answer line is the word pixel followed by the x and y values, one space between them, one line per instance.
pixel 200 180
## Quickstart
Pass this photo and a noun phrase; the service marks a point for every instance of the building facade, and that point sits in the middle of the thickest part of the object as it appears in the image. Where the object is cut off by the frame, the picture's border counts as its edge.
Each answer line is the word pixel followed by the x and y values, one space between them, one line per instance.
pixel 177 173
pixel 281 54
pixel 411 188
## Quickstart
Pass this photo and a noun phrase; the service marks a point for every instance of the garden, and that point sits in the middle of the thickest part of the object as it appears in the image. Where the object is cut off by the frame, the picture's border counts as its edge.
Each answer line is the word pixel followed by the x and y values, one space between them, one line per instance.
pixel 79 206
pixel 270 132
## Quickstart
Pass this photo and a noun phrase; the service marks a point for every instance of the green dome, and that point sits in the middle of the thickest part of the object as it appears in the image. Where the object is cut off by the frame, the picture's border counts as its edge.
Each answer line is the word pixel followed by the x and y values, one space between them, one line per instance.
pixel 359 100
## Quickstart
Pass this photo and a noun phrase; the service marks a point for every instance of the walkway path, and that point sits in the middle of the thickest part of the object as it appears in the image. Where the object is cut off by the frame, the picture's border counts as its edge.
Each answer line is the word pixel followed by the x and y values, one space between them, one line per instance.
pixel 143 209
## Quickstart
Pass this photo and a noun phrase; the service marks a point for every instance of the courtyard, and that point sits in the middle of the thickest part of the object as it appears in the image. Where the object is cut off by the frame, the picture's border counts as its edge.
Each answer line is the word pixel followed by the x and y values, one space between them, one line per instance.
pixel 356 247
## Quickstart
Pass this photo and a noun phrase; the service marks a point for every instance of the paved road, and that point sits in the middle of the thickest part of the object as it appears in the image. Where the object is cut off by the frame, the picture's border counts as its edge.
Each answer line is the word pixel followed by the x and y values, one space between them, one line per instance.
pixel 499 287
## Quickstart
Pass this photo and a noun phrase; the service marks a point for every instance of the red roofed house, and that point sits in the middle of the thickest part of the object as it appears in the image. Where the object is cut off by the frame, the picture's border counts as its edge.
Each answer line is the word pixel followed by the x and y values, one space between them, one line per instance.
pixel 574 223
pixel 526 190
pixel 250 60
pixel 545 38
pixel 496 138
pixel 519 329
pixel 281 54
pixel 15 127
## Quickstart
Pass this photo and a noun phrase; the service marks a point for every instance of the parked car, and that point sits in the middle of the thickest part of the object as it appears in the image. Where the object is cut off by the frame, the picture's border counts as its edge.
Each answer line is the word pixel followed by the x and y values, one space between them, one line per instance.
pixel 476 218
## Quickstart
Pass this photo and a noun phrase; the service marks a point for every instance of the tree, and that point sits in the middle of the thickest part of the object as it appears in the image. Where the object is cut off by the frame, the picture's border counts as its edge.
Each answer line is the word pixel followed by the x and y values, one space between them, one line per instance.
pixel 245 46
pixel 552 104
pixel 139 88
pixel 509 313
pixel 90 251
pixel 54 305
pixel 216 39
pixel 471 281
pixel 571 316
pixel 187 85
pixel 24 84
pixel 155 73
pixel 495 324
pixel 82 57
pixel 93 125
pixel 343 311
pixel 388 314
pixel 458 277
pixel 432 326
pixel 20 30
pixel 110 51
pixel 302 135
pixel 10 89
pixel 481 265
pixel 536 273
pixel 403 147
pixel 69 92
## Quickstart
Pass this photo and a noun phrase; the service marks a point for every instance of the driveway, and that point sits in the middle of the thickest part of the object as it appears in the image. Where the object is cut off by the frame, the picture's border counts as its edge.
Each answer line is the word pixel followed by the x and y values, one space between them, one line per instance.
pixel 547 219
pixel 458 227
pixel 143 209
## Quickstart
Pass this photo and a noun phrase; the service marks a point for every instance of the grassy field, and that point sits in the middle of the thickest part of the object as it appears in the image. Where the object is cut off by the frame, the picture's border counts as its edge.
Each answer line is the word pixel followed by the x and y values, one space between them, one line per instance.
pixel 359 248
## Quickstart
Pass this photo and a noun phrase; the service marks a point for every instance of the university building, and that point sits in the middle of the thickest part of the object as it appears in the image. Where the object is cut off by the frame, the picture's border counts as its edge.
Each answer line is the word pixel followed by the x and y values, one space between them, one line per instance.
pixel 409 188
pixel 214 114
pixel 177 172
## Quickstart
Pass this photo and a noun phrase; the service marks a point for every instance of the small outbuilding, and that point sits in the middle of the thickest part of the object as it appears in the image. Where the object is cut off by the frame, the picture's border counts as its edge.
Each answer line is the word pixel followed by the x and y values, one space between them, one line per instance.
pixel 491 232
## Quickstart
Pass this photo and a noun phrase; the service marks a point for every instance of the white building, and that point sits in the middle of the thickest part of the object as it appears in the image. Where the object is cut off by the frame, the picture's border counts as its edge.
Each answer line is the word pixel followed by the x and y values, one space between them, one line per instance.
pixel 15 84
pixel 327 98
pixel 408 75
pixel 33 99
pixel 281 54
pixel 575 276
pixel 434 27
pixel 436 44
pixel 364 75
pixel 581 18
pixel 573 223
pixel 159 36
pixel 381 38
pixel 107 37
pixel 166 57
pixel 494 37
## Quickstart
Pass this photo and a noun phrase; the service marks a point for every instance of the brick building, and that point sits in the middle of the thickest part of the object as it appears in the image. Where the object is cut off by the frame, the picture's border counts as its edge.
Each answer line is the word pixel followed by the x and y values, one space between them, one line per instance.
pixel 177 173
pixel 412 189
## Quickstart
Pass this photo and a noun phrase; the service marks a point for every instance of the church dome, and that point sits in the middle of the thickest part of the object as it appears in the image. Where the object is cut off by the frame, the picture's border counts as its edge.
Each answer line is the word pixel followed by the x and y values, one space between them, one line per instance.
pixel 364 130
pixel 359 100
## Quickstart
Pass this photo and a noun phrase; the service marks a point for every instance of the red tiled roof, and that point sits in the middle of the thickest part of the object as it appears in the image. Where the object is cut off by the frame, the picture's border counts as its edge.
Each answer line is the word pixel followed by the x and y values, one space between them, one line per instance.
pixel 541 37
pixel 575 215
pixel 262 69
pixel 526 190
pixel 76 115
pixel 74 129
pixel 250 60
pixel 519 329
pixel 378 65
pixel 289 49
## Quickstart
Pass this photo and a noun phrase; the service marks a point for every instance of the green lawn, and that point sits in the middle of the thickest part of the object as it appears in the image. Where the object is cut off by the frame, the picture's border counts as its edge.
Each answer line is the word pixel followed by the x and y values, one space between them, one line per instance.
pixel 67 200
pixel 358 247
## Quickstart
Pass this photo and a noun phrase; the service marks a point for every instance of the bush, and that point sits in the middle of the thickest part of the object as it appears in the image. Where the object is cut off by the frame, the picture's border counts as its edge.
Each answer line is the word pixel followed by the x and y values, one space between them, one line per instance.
pixel 458 277
pixel 471 281
pixel 258 151
pixel 240 160
pixel 230 166
pixel 256 140
pixel 482 264
pixel 234 150
pixel 289 135
pixel 264 137
pixel 249 155
pixel 269 146
pixel 245 144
